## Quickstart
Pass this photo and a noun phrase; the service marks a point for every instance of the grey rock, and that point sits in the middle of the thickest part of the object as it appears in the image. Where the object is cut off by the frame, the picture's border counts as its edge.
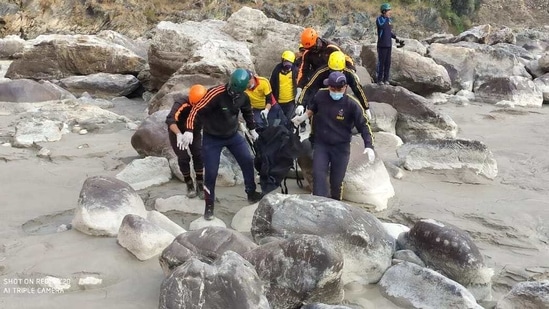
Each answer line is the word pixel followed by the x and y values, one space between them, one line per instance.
pixel 408 256
pixel 476 34
pixel 358 235
pixel 416 120
pixel 297 270
pixel 324 306
pixel 451 251
pixel 449 154
pixel 520 90
pixel 206 244
pixel 151 137
pixel 542 83
pixel 59 56
pixel 102 205
pixel 412 286
pixel 526 295
pixel 384 117
pixel 26 90
pixel 10 46
pixel 146 172
pixel 229 282
pixel 101 85
pixel 142 238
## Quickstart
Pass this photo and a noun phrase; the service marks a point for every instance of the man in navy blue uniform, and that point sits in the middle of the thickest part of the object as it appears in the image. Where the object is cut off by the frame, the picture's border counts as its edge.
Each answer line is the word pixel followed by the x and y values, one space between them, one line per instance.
pixel 335 115
pixel 384 44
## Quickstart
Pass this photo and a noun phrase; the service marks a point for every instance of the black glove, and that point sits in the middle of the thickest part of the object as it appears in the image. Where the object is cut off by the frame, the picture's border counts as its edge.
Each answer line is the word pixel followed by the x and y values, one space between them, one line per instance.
pixel 400 43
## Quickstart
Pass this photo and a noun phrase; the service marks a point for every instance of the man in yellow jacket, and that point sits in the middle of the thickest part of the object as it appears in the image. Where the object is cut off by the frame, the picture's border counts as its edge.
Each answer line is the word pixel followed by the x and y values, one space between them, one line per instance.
pixel 260 93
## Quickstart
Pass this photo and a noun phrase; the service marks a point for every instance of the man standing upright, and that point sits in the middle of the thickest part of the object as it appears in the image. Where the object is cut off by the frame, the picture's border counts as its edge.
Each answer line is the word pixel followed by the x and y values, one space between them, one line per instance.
pixel 384 44
pixel 218 111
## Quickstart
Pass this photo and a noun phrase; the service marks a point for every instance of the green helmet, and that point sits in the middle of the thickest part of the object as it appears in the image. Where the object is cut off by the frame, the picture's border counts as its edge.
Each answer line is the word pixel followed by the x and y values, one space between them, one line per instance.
pixel 385 7
pixel 239 80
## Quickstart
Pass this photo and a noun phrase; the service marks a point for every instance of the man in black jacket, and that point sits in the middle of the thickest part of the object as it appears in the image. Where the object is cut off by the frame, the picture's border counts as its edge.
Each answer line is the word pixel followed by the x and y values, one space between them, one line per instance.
pixel 218 111
pixel 284 83
pixel 336 62
pixel 176 121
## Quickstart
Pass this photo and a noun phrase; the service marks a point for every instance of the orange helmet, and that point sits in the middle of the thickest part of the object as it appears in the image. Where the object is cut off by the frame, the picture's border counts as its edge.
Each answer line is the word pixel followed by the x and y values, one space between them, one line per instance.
pixel 196 93
pixel 309 37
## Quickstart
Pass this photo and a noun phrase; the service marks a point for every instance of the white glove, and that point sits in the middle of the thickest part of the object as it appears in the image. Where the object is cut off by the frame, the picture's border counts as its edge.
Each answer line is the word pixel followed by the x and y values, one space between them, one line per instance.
pixel 243 127
pixel 264 114
pixel 298 93
pixel 297 120
pixel 254 135
pixel 368 114
pixel 186 140
pixel 299 110
pixel 370 153
pixel 180 140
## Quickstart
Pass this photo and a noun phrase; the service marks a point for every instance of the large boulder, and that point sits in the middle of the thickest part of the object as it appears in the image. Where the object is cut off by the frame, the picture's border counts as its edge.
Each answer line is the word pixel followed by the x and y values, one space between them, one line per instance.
pixel 411 286
pixel 146 172
pixel 416 120
pixel 298 270
pixel 384 117
pixel 27 90
pixel 465 156
pixel 357 234
pixel 205 244
pixel 501 35
pixel 526 295
pixel 192 47
pixel 266 37
pixel 10 46
pixel 103 204
pixel 151 137
pixel 476 34
pixel 410 70
pixel 469 64
pixel 103 85
pixel 521 91
pixel 38 130
pixel 458 61
pixel 58 56
pixel 142 238
pixel 543 62
pixel 229 282
pixel 542 83
pixel 366 182
pixel 451 251
pixel 139 46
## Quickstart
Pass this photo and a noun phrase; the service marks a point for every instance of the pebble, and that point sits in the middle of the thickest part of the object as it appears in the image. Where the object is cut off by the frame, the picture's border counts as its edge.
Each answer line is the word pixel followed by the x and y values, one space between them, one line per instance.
pixel 83 132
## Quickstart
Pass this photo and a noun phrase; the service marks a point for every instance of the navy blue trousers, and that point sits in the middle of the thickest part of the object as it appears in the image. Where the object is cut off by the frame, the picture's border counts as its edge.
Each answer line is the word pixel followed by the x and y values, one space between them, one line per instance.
pixel 211 152
pixel 383 63
pixel 333 159
pixel 288 109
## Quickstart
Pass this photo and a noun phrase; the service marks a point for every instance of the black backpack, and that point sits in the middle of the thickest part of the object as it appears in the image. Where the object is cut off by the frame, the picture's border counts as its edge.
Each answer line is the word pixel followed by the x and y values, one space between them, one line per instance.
pixel 276 149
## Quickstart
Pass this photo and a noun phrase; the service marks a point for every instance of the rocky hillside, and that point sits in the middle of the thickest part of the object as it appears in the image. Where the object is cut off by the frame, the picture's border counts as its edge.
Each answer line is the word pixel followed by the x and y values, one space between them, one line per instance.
pixel 134 18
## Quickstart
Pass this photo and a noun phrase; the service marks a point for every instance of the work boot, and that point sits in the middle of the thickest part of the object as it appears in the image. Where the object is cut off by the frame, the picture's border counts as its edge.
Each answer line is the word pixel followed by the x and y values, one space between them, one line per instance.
pixel 191 191
pixel 254 197
pixel 200 189
pixel 386 83
pixel 209 212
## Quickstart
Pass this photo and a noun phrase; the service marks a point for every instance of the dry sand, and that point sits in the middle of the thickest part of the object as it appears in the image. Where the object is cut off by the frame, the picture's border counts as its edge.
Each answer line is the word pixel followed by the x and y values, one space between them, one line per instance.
pixel 508 217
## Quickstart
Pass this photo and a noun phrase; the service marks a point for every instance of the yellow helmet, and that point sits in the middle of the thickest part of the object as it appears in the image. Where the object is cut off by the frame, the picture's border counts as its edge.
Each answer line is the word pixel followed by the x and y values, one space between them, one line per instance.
pixel 288 55
pixel 336 61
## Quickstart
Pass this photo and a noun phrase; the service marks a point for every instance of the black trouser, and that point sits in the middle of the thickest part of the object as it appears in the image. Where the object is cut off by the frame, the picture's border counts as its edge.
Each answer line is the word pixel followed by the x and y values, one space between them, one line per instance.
pixel 184 160
pixel 383 63
pixel 333 159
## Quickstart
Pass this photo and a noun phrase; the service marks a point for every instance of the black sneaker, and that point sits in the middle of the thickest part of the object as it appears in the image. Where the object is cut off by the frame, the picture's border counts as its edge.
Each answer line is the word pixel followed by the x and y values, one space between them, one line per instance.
pixel 209 212
pixel 191 190
pixel 254 197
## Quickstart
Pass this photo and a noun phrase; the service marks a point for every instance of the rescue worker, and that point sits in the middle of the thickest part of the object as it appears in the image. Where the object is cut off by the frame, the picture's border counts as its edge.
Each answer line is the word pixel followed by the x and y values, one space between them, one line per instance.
pixel 284 83
pixel 336 62
pixel 317 51
pixel 218 111
pixel 335 115
pixel 299 55
pixel 176 121
pixel 297 64
pixel 384 44
pixel 260 93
